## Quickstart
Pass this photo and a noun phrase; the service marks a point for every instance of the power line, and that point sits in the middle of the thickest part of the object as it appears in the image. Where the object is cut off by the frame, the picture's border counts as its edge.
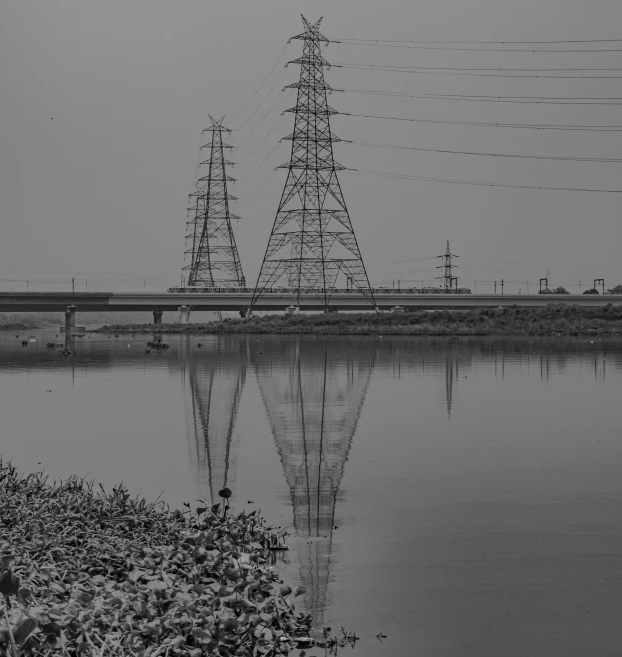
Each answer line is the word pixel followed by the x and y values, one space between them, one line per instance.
pixel 385 174
pixel 528 126
pixel 538 264
pixel 479 153
pixel 477 42
pixel 261 85
pixel 280 99
pixel 394 262
pixel 275 126
pixel 470 49
pixel 529 100
pixel 506 262
pixel 245 125
pixel 399 271
pixel 466 73
pixel 495 68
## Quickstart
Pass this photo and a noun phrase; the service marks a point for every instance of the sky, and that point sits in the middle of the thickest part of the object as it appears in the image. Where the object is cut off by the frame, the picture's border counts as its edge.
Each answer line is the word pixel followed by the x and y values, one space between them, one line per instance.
pixel 103 103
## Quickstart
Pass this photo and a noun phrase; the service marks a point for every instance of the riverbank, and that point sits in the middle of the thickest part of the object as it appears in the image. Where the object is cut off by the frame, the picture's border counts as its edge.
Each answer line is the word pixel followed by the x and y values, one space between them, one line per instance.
pixel 89 572
pixel 555 319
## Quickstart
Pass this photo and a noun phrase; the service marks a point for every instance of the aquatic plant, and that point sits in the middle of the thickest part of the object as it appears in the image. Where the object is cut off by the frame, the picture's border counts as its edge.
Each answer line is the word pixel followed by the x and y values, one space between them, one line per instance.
pixel 85 572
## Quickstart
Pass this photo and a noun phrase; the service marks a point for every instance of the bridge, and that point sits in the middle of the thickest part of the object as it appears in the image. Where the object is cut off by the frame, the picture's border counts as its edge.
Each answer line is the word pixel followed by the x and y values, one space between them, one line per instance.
pixel 280 301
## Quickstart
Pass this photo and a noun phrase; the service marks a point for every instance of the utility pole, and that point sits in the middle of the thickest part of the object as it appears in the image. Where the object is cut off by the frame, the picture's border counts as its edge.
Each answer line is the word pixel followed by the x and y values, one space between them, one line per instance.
pixel 501 286
pixel 447 267
pixel 214 259
pixel 312 215
pixel 495 287
pixel 73 284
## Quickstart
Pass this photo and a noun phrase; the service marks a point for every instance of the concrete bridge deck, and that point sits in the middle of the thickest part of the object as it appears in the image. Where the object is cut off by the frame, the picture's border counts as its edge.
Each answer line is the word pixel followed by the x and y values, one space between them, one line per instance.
pixel 279 301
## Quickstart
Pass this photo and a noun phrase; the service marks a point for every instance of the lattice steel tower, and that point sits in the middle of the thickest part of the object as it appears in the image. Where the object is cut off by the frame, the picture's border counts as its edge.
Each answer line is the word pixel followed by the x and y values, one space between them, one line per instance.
pixel 448 279
pixel 214 255
pixel 312 242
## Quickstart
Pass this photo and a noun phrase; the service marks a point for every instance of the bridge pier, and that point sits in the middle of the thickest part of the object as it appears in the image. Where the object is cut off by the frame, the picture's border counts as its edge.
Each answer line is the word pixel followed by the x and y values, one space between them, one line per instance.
pixel 292 310
pixel 184 314
pixel 157 316
pixel 70 327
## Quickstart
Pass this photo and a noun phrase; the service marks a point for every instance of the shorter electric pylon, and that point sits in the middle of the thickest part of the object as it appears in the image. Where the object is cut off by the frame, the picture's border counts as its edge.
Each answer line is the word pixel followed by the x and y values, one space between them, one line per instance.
pixel 448 280
pixel 213 252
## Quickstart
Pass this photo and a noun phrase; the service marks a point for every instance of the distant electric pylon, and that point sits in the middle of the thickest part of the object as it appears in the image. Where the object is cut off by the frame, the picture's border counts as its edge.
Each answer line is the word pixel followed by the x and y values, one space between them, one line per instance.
pixel 214 255
pixel 312 219
pixel 447 279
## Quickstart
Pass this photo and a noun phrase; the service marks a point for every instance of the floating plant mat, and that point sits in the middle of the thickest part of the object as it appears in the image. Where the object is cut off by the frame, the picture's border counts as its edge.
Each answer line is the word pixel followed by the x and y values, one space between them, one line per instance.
pixel 89 572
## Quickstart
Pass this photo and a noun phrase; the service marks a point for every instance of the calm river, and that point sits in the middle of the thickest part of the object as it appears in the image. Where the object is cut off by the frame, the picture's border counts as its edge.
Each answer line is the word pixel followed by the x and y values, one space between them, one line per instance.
pixel 460 498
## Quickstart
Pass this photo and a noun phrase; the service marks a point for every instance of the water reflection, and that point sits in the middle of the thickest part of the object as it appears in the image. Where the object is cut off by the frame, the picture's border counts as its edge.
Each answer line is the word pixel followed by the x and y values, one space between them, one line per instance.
pixel 212 384
pixel 313 394
pixel 498 527
pixel 451 377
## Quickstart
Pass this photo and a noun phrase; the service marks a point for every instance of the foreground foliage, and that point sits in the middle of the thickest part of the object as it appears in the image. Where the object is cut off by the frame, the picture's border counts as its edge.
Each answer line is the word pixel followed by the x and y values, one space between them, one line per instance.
pixel 86 572
pixel 561 319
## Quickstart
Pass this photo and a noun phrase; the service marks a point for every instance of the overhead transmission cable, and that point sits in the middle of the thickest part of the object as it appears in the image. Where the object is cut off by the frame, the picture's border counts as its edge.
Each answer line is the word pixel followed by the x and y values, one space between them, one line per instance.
pixel 275 126
pixel 274 107
pixel 495 68
pixel 526 126
pixel 609 160
pixel 245 125
pixel 471 49
pixel 436 42
pixel 412 70
pixel 247 103
pixel 530 100
pixel 399 176
pixel 269 112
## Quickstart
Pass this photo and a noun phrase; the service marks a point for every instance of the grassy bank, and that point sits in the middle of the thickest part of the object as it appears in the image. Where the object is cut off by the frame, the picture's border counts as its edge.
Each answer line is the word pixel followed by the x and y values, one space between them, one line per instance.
pixel 559 319
pixel 89 572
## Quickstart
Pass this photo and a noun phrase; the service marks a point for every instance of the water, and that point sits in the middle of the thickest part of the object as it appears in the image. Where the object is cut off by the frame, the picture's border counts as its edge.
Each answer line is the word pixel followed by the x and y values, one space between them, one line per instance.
pixel 460 498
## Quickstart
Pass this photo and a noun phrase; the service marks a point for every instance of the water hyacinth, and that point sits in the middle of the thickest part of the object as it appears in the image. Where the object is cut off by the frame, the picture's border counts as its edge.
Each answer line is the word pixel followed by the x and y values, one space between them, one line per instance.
pixel 95 573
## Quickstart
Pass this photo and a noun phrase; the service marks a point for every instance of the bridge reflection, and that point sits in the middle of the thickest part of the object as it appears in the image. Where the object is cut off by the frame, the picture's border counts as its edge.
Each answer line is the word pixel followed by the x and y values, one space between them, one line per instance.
pixel 313 394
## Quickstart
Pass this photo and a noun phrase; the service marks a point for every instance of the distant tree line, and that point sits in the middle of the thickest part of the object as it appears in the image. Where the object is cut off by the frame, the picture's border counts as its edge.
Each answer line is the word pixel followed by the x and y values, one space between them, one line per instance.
pixel 560 289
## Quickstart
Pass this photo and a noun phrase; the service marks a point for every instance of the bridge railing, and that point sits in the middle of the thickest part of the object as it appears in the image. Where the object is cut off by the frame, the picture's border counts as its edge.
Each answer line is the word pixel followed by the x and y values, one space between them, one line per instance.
pixel 290 290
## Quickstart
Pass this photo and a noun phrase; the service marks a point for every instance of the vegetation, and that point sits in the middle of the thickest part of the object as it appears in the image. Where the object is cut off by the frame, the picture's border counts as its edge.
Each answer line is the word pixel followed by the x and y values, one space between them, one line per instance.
pixel 85 572
pixel 592 291
pixel 558 318
pixel 560 289
pixel 616 289
pixel 29 321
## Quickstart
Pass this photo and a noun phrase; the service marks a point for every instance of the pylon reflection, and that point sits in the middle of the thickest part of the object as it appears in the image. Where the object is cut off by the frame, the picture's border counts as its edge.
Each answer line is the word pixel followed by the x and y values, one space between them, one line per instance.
pixel 313 396
pixel 212 390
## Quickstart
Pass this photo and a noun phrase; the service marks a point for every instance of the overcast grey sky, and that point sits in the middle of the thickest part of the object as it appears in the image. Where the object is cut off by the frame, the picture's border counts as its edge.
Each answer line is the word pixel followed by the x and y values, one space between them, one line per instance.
pixel 103 102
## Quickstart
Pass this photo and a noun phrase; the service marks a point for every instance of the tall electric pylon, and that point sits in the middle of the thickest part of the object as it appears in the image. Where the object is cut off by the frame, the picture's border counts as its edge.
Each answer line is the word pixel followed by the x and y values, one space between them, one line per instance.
pixel 447 277
pixel 312 217
pixel 214 255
